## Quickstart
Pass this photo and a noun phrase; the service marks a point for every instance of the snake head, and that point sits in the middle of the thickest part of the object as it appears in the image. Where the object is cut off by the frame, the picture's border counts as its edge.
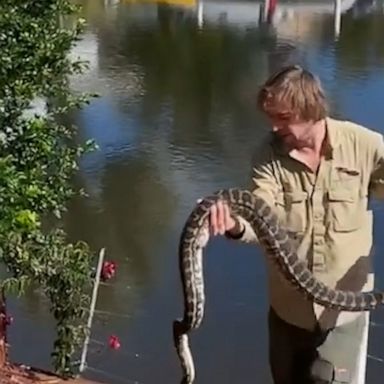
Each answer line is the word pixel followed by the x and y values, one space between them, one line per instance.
pixel 181 343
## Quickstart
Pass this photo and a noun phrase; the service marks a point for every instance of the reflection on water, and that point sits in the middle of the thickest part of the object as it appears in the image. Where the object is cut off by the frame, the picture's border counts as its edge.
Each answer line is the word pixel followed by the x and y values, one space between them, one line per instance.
pixel 176 120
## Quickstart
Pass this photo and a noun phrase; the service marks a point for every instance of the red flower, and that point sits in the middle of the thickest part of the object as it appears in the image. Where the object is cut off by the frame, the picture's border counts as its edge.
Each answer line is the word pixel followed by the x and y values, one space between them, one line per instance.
pixel 114 342
pixel 108 270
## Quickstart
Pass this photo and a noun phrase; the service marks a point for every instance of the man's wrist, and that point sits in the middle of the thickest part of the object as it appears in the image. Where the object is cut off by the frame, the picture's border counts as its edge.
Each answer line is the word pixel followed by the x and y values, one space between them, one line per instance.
pixel 237 231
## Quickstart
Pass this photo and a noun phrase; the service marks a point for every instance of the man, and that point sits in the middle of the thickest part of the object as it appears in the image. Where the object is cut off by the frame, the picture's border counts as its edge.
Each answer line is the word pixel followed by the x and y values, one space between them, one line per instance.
pixel 317 173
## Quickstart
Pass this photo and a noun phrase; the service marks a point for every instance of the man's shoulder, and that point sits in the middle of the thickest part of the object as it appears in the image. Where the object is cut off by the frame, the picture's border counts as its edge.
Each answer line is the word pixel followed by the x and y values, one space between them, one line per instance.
pixel 348 128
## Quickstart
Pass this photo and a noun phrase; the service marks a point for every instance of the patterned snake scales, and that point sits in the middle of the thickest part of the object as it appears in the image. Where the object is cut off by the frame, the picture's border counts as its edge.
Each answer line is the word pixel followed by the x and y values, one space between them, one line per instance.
pixel 277 246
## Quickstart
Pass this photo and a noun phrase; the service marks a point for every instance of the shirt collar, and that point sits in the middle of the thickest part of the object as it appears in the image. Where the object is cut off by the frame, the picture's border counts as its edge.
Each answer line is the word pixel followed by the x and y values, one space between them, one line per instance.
pixel 333 133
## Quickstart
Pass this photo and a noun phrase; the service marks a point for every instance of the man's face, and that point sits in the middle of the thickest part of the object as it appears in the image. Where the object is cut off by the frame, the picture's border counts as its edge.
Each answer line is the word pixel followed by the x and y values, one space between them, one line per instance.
pixel 294 132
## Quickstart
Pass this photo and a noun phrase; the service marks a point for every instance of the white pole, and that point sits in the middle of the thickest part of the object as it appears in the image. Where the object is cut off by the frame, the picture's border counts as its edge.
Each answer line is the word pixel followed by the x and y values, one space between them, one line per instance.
pixel 362 363
pixel 200 13
pixel 337 18
pixel 92 310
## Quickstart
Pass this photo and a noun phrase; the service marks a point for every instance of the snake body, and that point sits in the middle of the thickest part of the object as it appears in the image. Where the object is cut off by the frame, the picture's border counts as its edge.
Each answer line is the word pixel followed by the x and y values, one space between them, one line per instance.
pixel 274 239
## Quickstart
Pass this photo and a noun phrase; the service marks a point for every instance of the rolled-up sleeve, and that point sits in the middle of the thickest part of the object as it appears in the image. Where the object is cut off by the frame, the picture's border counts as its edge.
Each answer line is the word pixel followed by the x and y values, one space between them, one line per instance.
pixel 376 185
pixel 263 184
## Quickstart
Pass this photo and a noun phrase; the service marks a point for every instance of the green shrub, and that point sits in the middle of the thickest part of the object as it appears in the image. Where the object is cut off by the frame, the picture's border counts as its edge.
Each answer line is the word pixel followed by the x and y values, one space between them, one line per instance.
pixel 38 157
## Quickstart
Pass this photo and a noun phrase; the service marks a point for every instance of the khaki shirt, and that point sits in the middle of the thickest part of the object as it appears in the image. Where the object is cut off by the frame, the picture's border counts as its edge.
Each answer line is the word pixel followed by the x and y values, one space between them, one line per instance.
pixel 327 215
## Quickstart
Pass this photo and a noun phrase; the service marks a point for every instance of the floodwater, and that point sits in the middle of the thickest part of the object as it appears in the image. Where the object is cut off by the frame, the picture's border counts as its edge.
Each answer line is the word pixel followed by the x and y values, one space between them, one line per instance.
pixel 176 120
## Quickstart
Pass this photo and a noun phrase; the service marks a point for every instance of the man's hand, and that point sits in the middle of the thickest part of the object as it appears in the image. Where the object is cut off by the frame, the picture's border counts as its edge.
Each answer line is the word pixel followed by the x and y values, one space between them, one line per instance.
pixel 221 221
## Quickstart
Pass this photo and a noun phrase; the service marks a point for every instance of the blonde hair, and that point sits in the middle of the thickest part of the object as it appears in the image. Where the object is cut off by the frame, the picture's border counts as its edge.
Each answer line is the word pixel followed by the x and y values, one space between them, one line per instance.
pixel 293 92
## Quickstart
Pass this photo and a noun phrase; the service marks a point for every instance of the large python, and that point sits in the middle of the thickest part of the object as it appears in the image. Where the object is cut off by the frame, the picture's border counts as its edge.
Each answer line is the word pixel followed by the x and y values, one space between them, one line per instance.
pixel 274 239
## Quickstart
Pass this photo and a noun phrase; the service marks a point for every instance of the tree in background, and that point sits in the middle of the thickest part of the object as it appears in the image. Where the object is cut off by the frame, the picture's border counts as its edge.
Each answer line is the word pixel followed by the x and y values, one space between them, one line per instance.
pixel 38 157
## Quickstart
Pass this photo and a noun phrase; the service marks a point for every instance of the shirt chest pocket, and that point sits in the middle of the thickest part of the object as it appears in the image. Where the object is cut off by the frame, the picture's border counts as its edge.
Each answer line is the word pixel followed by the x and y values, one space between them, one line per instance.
pixel 346 177
pixel 345 211
pixel 293 210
